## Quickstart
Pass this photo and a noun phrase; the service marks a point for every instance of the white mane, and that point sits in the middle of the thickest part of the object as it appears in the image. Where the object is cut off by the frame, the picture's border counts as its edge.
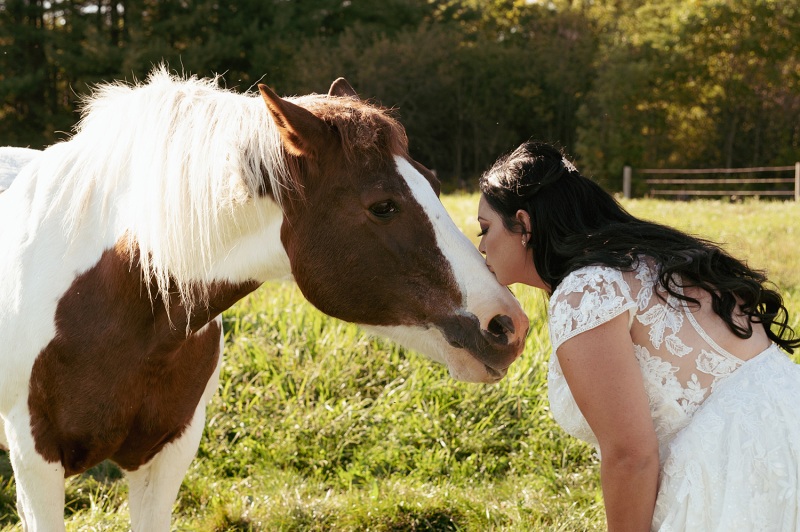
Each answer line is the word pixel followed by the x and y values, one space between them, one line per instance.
pixel 171 163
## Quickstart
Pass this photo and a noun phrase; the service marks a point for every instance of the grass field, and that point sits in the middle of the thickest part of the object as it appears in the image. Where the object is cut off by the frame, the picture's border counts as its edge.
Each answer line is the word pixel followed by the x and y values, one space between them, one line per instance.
pixel 318 427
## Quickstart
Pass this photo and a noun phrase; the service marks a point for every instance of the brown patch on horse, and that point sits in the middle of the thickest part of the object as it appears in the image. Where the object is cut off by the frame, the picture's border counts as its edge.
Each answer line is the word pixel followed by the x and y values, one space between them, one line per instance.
pixel 358 274
pixel 122 378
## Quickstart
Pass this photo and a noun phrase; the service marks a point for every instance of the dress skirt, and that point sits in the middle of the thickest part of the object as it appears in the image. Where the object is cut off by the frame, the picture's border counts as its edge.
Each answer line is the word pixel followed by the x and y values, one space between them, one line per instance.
pixel 736 465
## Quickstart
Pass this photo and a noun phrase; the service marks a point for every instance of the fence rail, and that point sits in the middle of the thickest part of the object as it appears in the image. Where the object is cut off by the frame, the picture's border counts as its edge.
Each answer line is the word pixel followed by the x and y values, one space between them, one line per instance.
pixel 689 190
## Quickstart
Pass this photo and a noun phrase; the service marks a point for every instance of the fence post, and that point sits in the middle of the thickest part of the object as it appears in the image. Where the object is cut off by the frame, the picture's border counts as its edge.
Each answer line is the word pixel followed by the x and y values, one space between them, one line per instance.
pixel 627 173
pixel 797 181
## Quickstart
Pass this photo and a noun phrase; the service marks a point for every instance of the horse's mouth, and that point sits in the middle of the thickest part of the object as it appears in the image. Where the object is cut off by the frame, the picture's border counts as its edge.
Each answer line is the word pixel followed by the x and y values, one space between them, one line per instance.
pixel 496 374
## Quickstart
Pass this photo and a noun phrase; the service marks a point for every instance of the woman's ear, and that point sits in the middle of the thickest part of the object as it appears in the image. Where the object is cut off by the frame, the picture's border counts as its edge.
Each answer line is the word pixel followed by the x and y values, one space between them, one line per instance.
pixel 524 220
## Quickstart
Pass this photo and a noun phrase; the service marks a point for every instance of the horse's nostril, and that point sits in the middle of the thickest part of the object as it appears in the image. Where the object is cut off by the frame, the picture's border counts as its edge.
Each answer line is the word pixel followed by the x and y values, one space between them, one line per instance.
pixel 501 326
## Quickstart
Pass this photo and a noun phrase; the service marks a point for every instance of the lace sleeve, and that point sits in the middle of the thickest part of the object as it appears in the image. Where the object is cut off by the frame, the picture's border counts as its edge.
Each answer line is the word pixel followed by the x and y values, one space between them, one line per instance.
pixel 586 298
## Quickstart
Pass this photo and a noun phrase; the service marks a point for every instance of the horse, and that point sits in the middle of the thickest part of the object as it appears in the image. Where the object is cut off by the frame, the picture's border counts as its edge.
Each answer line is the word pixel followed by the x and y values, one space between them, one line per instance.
pixel 172 199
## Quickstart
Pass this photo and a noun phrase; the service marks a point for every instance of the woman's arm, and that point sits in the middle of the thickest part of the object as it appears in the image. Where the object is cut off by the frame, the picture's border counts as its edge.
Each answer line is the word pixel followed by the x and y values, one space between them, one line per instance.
pixel 604 377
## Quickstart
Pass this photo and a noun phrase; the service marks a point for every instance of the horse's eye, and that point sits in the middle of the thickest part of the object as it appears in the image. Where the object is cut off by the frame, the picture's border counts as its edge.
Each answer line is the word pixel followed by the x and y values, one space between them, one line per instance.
pixel 383 209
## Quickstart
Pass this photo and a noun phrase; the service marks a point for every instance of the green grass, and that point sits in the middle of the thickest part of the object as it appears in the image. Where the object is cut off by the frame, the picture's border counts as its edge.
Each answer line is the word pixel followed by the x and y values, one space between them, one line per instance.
pixel 317 426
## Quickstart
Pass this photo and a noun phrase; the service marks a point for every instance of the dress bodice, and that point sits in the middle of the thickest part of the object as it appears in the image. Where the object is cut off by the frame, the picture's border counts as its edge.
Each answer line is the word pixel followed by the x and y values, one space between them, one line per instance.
pixel 680 361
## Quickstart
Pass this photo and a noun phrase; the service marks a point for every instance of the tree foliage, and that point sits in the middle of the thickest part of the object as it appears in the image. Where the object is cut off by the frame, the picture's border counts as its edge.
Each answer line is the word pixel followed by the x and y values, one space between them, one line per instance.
pixel 641 82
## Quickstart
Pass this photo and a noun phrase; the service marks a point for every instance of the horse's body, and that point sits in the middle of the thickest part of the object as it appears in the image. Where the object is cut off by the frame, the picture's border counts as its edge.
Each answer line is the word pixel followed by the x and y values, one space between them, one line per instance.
pixel 174 199
pixel 12 160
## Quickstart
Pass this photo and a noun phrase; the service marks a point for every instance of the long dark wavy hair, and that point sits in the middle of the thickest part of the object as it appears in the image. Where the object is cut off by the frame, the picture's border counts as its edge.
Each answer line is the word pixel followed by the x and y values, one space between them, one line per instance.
pixel 575 223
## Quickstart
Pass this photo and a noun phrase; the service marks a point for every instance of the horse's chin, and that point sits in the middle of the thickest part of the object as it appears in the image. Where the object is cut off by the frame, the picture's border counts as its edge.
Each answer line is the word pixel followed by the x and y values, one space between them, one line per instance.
pixel 461 365
pixel 464 367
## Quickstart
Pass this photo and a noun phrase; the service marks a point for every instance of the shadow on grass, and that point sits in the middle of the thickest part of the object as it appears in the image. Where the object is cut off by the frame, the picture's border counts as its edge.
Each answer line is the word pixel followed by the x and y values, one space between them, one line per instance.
pixel 431 520
pixel 396 520
pixel 79 496
pixel 231 524
pixel 8 492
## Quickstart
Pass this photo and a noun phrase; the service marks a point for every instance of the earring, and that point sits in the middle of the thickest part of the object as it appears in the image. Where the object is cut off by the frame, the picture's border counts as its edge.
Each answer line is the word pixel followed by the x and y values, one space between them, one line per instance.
pixel 524 243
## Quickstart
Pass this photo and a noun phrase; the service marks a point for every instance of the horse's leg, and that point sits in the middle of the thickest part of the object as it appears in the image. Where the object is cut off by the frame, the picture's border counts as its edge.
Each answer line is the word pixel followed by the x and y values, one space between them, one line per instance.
pixel 154 487
pixel 40 484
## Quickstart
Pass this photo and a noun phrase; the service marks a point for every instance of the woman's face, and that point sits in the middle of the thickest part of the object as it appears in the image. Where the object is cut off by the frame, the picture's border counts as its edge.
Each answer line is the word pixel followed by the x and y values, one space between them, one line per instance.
pixel 506 256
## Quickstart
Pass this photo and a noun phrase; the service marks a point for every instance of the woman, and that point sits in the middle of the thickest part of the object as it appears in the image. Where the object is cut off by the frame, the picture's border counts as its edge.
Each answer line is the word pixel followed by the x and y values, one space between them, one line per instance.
pixel 667 352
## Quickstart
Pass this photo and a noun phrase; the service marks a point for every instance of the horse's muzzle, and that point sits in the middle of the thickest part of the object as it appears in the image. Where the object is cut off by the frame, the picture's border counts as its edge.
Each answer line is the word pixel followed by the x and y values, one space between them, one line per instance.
pixel 497 347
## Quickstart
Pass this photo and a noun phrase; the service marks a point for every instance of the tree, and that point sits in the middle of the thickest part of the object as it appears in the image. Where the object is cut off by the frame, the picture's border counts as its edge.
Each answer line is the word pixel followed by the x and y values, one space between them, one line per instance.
pixel 694 84
pixel 24 72
pixel 748 65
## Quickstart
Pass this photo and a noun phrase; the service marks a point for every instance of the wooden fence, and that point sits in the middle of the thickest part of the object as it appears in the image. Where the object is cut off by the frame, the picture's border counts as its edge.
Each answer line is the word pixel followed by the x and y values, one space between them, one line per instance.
pixel 688 187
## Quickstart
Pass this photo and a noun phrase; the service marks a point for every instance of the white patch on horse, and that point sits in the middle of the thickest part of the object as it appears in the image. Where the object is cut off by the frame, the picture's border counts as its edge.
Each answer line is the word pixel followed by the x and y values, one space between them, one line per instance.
pixel 477 284
pixel 3 437
pixel 475 280
pixel 40 491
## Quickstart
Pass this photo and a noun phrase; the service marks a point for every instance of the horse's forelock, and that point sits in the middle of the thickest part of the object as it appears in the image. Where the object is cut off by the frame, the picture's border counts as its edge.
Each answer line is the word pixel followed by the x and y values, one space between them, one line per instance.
pixel 363 127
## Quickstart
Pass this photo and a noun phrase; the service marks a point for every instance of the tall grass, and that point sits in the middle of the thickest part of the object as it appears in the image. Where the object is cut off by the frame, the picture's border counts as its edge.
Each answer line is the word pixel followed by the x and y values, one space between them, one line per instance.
pixel 317 426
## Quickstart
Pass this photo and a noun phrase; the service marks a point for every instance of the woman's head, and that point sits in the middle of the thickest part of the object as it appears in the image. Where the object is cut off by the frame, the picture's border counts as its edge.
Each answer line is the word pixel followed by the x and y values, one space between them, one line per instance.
pixel 505 244
pixel 566 221
pixel 540 195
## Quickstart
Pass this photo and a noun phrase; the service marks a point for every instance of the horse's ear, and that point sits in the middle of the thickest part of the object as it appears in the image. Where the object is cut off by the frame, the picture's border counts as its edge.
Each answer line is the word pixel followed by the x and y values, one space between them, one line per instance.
pixel 340 87
pixel 301 131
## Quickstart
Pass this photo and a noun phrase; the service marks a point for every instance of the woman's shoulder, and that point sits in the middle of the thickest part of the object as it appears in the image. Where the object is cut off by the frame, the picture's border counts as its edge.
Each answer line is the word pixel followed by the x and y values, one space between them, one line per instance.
pixel 593 285
pixel 591 277
pixel 644 270
pixel 586 298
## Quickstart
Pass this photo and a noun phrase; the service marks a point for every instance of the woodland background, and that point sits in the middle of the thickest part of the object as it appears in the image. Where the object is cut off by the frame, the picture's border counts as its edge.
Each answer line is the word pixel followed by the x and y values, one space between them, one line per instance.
pixel 648 83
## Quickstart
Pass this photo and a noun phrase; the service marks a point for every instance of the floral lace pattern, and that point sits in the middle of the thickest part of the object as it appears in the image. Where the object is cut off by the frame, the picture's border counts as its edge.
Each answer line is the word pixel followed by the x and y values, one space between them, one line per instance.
pixel 677 377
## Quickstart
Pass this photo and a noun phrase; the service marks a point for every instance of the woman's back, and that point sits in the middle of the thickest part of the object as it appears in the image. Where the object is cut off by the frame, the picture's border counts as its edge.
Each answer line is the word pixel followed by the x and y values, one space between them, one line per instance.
pixel 683 350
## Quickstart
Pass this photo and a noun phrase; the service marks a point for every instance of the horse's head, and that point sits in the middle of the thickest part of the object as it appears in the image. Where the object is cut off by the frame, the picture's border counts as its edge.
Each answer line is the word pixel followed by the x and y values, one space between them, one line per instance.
pixel 369 241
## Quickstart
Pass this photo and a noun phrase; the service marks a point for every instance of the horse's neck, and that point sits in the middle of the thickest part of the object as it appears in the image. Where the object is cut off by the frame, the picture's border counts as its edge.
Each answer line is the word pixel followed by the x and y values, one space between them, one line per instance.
pixel 246 248
pixel 252 247
pixel 246 251
pixel 249 253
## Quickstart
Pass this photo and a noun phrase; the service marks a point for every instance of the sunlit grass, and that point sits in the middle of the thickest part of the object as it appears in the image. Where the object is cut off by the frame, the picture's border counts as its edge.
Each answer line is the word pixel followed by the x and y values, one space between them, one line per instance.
pixel 318 426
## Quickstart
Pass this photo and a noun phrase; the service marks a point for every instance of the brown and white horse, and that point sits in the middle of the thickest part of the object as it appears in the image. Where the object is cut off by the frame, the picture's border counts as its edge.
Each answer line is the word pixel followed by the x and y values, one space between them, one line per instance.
pixel 174 199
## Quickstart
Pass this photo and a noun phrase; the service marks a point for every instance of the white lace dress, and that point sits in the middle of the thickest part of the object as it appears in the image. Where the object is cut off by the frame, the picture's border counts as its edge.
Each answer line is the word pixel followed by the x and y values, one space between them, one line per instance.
pixel 728 429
